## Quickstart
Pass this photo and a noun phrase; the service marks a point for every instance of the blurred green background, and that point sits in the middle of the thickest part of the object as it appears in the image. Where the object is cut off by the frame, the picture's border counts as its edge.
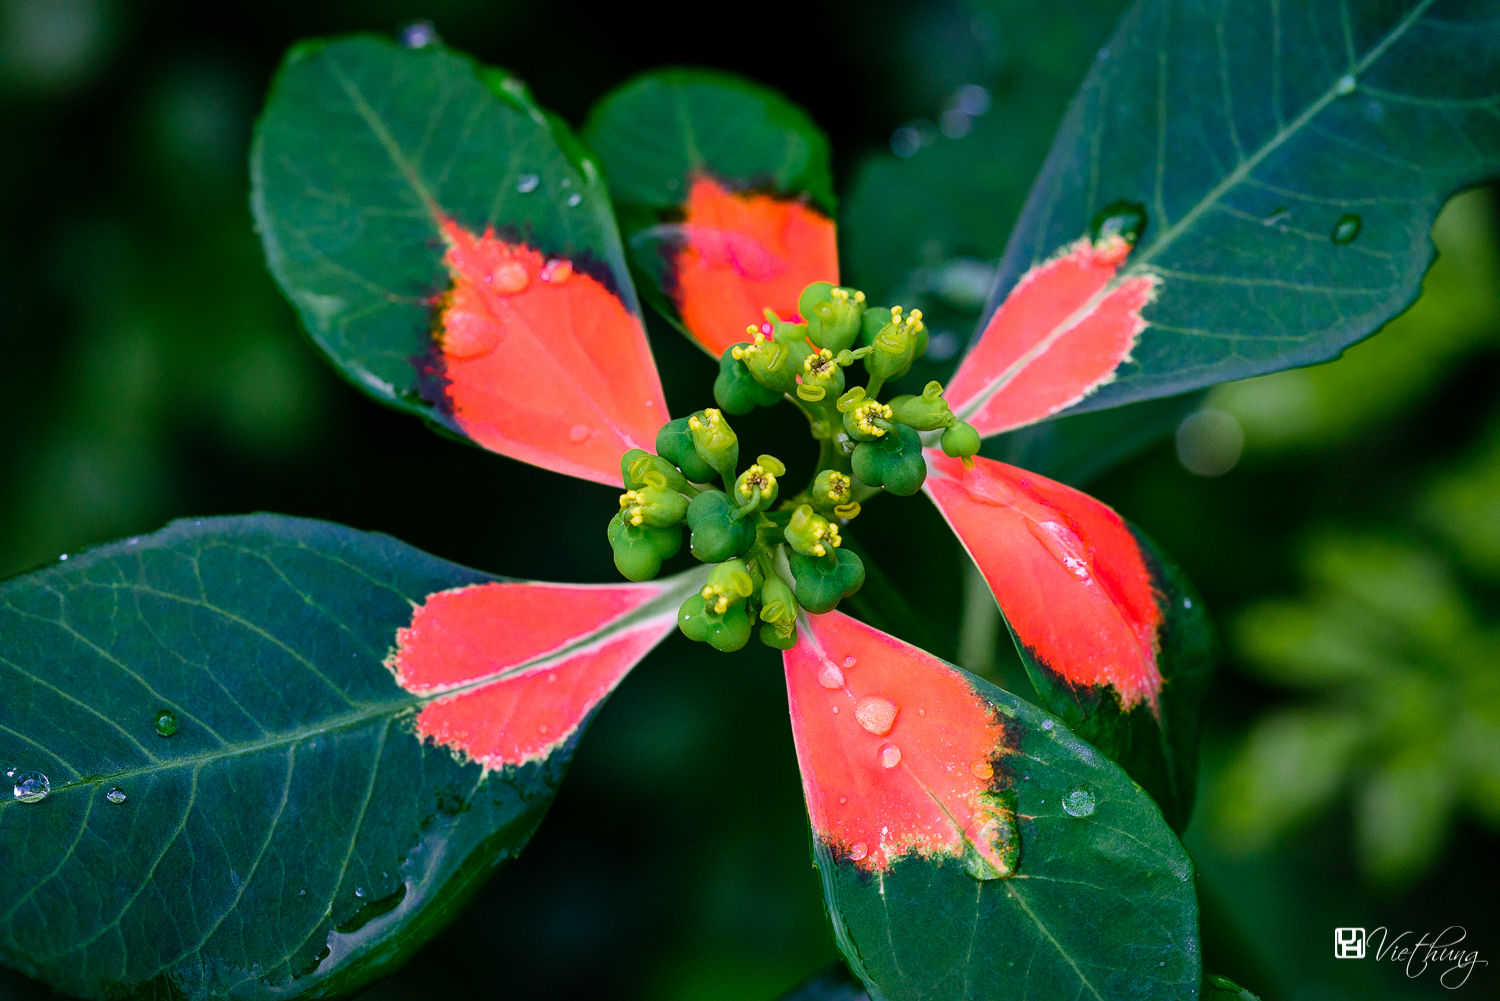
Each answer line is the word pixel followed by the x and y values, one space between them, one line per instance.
pixel 1342 522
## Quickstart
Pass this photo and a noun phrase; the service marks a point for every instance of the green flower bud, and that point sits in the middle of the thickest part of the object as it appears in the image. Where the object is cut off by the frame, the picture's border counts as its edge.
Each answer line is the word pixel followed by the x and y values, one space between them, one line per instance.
pixel 832 495
pixel 674 442
pixel 756 488
pixel 822 376
pixel 822 582
pixel 783 332
pixel 715 441
pixel 834 315
pixel 927 412
pixel 778 606
pixel 961 441
pixel 895 346
pixel 736 391
pixel 640 549
pixel 637 462
pixel 864 419
pixel 811 534
pixel 875 319
pixel 768 362
pixel 772 637
pixel 894 462
pixel 727 632
pixel 655 504
pixel 718 532
pixel 728 583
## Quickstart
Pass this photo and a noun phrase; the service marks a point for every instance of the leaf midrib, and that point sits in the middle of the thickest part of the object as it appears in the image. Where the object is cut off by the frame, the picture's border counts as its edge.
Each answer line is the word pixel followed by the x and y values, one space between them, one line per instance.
pixel 1139 265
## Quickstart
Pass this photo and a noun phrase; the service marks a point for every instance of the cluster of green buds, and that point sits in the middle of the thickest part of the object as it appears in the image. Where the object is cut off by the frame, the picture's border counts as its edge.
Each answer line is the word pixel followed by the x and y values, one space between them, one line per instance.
pixel 775 555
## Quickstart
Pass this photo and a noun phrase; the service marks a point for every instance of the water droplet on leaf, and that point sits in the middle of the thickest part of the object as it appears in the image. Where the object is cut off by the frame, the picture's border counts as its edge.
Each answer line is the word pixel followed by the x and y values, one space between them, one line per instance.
pixel 1346 229
pixel 579 433
pixel 877 715
pixel 1123 220
pixel 527 183
pixel 419 35
pixel 359 891
pixel 32 787
pixel 574 199
pixel 921 712
pixel 1187 602
pixel 850 662
pixel 508 278
pixel 166 723
pixel 1047 724
pixel 1078 801
pixel 830 677
pixel 858 850
pixel 1065 545
pixel 983 770
pixel 889 755
pixel 843 799
pixel 1345 85
pixel 115 795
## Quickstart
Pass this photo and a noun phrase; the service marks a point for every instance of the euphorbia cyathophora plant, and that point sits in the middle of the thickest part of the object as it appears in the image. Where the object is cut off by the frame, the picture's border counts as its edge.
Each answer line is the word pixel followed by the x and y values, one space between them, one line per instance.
pixel 269 757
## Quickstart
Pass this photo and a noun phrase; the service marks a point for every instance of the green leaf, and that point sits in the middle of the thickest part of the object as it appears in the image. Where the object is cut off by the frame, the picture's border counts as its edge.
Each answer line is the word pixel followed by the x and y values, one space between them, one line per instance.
pixel 1290 159
pixel 302 829
pixel 1158 747
pixel 680 147
pixel 374 169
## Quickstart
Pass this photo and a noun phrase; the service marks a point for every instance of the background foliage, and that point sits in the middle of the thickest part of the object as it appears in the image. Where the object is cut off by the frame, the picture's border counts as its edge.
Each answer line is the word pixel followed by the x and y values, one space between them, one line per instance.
pixel 149 369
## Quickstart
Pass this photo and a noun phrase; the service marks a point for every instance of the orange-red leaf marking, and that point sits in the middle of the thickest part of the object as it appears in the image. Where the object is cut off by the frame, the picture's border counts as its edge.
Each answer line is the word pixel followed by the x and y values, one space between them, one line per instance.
pixel 895 747
pixel 543 362
pixel 1066 569
pixel 1059 335
pixel 743 254
pixel 471 647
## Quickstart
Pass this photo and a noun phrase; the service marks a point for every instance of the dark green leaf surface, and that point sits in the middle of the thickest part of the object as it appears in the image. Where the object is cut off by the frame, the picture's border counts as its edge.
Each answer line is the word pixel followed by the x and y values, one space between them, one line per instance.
pixel 293 836
pixel 362 147
pixel 1101 906
pixel 1291 158
pixel 656 131
pixel 1158 750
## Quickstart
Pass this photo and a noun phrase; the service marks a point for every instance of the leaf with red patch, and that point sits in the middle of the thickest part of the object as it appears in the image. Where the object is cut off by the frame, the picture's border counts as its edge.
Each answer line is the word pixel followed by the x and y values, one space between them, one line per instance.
pixel 1064 329
pixel 363 733
pixel 969 845
pixel 451 249
pixel 1113 636
pixel 725 193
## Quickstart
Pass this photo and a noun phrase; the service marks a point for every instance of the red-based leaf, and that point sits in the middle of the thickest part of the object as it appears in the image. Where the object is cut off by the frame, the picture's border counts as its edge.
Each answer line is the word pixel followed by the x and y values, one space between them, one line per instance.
pixel 896 755
pixel 736 255
pixel 970 846
pixel 1112 634
pixel 541 361
pixel 1059 335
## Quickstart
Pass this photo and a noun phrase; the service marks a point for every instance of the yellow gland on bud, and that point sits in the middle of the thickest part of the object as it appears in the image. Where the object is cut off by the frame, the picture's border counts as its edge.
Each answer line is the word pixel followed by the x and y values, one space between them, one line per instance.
pixel 757 477
pixel 841 295
pixel 820 364
pixel 634 506
pixel 839 487
pixel 729 583
pixel 811 534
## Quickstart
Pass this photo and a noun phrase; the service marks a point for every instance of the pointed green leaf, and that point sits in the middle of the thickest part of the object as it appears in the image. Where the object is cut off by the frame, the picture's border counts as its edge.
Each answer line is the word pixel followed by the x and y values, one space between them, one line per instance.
pixel 279 754
pixel 1289 160
pixel 726 195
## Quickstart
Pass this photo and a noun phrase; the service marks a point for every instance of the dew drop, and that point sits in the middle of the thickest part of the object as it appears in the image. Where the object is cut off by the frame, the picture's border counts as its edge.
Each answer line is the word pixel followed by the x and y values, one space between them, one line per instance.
pixel 877 715
pixel 1078 801
pixel 359 891
pixel 850 662
pixel 843 799
pixel 889 755
pixel 32 787
pixel 10 771
pixel 301 893
pixel 557 271
pixel 115 795
pixel 1280 217
pixel 830 677
pixel 419 35
pixel 983 770
pixel 527 183
pixel 1066 546
pixel 921 712
pixel 858 850
pixel 574 199
pixel 1346 229
pixel 835 710
pixel 1046 724
pixel 1120 220
pixel 166 723
pixel 1187 602
pixel 1345 85
pixel 508 277
pixel 579 433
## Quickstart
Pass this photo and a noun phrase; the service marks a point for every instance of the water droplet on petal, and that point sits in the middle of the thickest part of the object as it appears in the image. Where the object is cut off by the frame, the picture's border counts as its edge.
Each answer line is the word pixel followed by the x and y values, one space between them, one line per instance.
pixel 1078 801
pixel 850 662
pixel 843 799
pixel 835 710
pixel 557 271
pixel 921 712
pixel 166 723
pixel 579 433
pixel 115 795
pixel 830 677
pixel 1345 85
pixel 1047 724
pixel 983 770
pixel 889 756
pixel 877 715
pixel 574 199
pixel 1346 229
pixel 527 183
pixel 32 787
pixel 508 277
pixel 858 850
